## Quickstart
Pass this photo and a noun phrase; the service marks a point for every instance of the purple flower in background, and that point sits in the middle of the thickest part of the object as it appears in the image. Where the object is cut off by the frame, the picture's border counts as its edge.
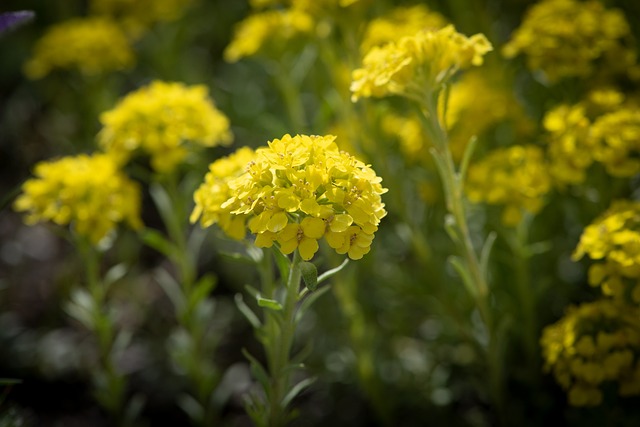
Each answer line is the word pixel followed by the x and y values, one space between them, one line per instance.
pixel 10 20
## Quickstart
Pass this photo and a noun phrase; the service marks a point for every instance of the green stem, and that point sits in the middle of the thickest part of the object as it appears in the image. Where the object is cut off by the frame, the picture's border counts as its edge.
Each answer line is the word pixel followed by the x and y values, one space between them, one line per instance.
pixel 292 99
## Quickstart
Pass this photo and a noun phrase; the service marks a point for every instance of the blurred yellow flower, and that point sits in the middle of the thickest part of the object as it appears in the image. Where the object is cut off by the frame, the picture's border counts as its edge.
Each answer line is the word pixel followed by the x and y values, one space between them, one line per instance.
pixel 564 38
pixel 135 16
pixel 613 240
pixel 402 21
pixel 87 192
pixel 164 120
pixel 418 64
pixel 515 177
pixel 271 31
pixel 91 46
pixel 594 344
pixel 297 190
pixel 616 141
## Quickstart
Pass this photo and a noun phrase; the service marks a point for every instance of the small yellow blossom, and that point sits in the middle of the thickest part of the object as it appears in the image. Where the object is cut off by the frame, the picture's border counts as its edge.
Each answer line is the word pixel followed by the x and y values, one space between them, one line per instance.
pixel 271 31
pixel 616 141
pixel 400 22
pixel 164 120
pixel 89 193
pixel 564 38
pixel 297 190
pixel 515 177
pixel 594 344
pixel 135 16
pixel 418 64
pixel 613 240
pixel 91 46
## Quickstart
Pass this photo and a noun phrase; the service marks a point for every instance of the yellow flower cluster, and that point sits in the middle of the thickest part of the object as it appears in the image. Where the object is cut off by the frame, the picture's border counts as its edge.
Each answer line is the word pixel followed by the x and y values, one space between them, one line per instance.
pixel 88 192
pixel 160 119
pixel 613 241
pixel 271 31
pixel 92 46
pixel 135 16
pixel 600 129
pixel 516 177
pixel 565 38
pixel 418 64
pixel 410 134
pixel 593 344
pixel 296 191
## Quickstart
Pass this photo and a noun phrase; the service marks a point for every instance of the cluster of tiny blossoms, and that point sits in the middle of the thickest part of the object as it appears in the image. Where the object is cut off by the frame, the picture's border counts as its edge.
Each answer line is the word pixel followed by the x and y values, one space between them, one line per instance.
pixel 417 64
pixel 516 177
pixel 135 16
pixel 564 38
pixel 88 192
pixel 613 242
pixel 400 22
pixel 160 119
pixel 594 344
pixel 296 191
pixel 92 46
pixel 600 129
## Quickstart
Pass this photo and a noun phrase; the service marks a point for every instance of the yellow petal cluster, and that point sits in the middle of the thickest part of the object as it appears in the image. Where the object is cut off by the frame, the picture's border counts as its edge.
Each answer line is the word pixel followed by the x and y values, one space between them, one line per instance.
pixel 564 38
pixel 613 242
pixel 164 120
pixel 135 16
pixel 616 141
pixel 271 31
pixel 418 64
pixel 515 177
pixel 87 192
pixel 592 345
pixel 91 46
pixel 296 191
pixel 401 22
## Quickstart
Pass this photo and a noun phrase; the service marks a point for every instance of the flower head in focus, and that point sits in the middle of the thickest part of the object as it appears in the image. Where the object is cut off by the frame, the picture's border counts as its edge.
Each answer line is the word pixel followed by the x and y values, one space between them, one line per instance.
pixel 564 38
pixel 91 46
pixel 515 177
pixel 592 345
pixel 87 192
pixel 613 242
pixel 417 64
pixel 135 16
pixel 298 190
pixel 164 120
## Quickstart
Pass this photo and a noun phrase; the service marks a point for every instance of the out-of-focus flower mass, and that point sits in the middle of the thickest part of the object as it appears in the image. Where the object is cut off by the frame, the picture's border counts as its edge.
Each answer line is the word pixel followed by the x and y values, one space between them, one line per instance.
pixel 164 120
pixel 400 22
pixel 91 46
pixel 613 242
pixel 592 345
pixel 564 38
pixel 135 16
pixel 418 64
pixel 296 191
pixel 515 177
pixel 88 192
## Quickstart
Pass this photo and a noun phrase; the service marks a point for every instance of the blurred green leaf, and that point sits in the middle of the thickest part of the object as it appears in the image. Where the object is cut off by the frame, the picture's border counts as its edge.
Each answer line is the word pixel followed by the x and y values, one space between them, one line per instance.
pixel 247 312
pixel 297 389
pixel 269 303
pixel 283 263
pixel 156 240
pixel 257 370
pixel 309 275
pixel 330 273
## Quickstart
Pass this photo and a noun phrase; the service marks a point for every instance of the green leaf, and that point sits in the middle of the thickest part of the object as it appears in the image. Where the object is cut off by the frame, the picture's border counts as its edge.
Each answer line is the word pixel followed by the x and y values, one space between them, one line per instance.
pixel 171 287
pixel 466 158
pixel 201 289
pixel 162 201
pixel 486 252
pixel 307 302
pixel 283 263
pixel 134 408
pixel 114 274
pixel 156 240
pixel 192 407
pixel 247 312
pixel 269 303
pixel 330 273
pixel 309 275
pixel 297 389
pixel 463 271
pixel 257 370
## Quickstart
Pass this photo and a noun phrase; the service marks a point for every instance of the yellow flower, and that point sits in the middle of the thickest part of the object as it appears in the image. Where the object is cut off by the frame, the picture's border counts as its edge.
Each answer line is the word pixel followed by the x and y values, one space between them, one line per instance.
pixel 91 46
pixel 594 344
pixel 613 239
pixel 89 193
pixel 271 31
pixel 164 120
pixel 418 64
pixel 135 16
pixel 516 177
pixel 297 190
pixel 564 38
pixel 400 22
pixel 616 141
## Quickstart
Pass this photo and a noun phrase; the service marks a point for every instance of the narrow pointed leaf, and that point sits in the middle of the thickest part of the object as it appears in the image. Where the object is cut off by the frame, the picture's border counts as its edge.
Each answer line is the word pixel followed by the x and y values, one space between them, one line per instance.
pixel 269 303
pixel 486 252
pixel 247 312
pixel 297 389
pixel 257 370
pixel 330 273
pixel 156 240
